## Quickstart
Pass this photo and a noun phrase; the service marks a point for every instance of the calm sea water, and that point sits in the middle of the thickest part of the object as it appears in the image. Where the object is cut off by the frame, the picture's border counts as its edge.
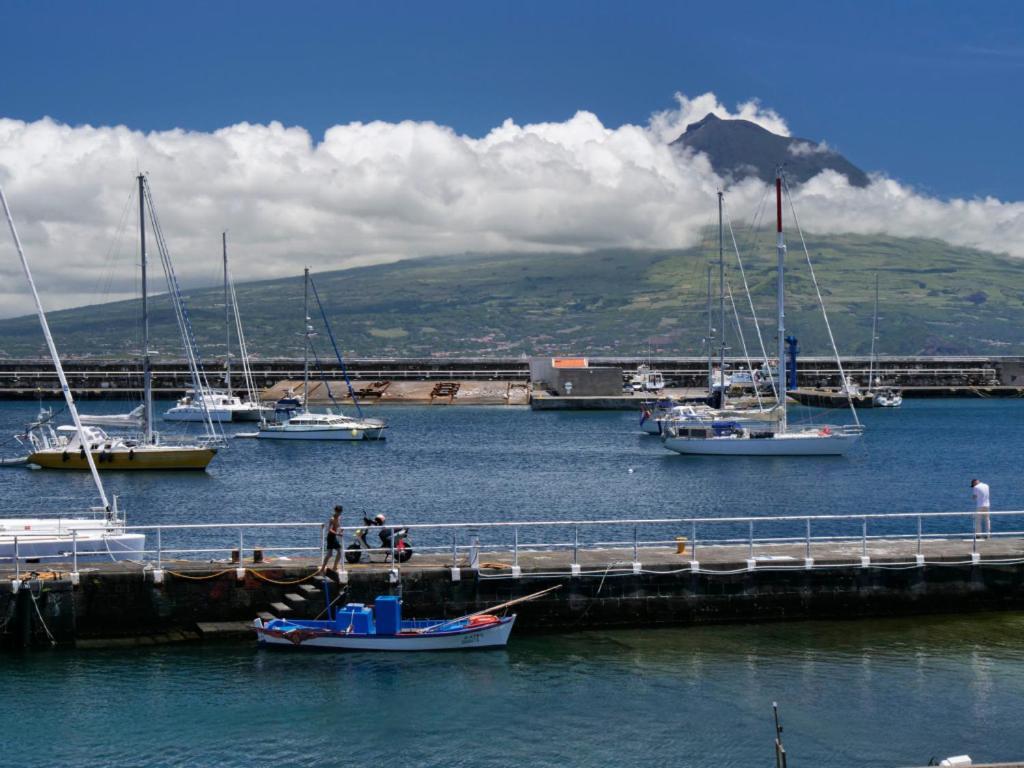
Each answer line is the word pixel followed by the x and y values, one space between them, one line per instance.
pixel 892 692
pixel 851 694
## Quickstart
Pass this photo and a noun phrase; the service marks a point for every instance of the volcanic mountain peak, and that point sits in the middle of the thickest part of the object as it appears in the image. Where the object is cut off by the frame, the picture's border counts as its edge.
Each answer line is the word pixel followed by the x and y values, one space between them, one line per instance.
pixel 739 148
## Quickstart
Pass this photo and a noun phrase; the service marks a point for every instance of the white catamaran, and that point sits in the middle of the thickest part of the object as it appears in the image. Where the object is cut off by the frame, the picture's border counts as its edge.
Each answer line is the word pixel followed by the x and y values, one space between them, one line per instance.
pixel 100 534
pixel 733 438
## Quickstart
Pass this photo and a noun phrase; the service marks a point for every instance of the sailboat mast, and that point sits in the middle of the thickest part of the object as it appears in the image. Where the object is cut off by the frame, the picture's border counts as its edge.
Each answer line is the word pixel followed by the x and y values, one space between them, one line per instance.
pixel 227 317
pixel 780 246
pixel 147 367
pixel 721 302
pixel 305 333
pixel 711 333
pixel 56 358
pixel 874 335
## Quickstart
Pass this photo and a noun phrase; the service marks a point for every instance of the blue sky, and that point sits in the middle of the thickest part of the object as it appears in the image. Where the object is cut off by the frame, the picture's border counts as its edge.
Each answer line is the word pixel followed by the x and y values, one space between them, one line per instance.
pixel 928 92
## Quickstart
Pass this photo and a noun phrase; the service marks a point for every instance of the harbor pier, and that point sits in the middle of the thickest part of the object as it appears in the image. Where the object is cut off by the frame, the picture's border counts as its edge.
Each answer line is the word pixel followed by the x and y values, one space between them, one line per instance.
pixel 629 574
pixel 499 381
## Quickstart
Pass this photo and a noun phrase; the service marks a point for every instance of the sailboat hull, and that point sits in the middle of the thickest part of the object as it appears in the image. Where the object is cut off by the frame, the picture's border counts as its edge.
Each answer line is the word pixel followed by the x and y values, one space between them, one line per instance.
pixel 796 445
pixel 273 433
pixel 158 458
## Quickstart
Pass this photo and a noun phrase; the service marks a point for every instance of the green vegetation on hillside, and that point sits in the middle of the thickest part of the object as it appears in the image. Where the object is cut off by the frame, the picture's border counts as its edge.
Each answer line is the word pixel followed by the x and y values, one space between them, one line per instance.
pixel 935 299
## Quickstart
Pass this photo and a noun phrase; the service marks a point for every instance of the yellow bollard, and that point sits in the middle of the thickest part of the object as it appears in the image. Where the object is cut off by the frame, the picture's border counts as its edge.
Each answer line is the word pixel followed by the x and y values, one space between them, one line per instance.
pixel 680 545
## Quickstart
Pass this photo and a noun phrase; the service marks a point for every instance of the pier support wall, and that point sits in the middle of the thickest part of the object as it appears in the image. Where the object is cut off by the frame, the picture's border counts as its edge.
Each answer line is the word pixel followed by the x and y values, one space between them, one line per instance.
pixel 111 607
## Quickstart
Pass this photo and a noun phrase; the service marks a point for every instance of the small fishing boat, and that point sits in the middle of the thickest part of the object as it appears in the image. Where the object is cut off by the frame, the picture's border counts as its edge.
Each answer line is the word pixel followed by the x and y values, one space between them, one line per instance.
pixel 357 627
pixel 380 627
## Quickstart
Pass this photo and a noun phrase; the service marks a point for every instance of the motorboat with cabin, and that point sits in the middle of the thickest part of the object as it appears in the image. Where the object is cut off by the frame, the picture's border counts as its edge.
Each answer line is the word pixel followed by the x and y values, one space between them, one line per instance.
pixel 646 379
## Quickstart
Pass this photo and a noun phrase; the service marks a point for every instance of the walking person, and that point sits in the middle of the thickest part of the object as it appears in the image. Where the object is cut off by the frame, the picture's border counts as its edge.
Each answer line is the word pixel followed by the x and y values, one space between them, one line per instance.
pixel 333 542
pixel 982 521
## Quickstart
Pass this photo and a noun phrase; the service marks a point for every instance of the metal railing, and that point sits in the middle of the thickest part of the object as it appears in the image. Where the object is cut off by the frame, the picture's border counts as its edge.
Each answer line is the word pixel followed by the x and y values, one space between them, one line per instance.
pixel 462 543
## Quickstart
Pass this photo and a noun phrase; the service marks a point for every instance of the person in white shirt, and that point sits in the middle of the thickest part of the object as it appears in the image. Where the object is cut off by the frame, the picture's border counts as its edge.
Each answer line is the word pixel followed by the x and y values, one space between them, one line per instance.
pixel 981 508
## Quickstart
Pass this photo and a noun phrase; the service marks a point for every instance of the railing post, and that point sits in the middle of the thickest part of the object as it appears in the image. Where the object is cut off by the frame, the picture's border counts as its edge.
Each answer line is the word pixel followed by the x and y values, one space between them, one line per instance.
pixel 919 534
pixel 323 542
pixel 455 551
pixel 974 542
pixel 751 550
pixel 515 550
pixel 808 549
pixel 636 546
pixel 74 550
pixel 575 544
pixel 17 562
pixel 241 541
pixel 864 538
pixel 159 548
pixel 693 536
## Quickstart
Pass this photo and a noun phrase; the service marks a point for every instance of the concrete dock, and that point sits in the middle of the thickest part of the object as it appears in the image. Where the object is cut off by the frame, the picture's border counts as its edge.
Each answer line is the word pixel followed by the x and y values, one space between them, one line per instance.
pixel 131 603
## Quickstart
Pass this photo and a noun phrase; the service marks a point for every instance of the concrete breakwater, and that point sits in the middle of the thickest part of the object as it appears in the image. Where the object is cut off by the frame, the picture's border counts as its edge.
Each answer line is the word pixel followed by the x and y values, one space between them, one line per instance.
pixel 137 603
pixel 496 380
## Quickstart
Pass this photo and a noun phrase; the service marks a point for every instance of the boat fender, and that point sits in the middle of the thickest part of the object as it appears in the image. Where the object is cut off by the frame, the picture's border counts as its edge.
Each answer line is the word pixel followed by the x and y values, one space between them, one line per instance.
pixel 64 456
pixel 483 621
pixel 825 431
pixel 81 453
pixel 131 454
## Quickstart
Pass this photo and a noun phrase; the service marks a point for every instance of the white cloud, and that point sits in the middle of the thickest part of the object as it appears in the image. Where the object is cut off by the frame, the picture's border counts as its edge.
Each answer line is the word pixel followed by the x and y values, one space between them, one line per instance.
pixel 805 148
pixel 668 125
pixel 374 192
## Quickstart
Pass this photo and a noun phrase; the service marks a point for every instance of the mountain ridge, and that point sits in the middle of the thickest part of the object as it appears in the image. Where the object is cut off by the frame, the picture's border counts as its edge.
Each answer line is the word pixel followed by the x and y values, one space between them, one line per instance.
pixel 936 299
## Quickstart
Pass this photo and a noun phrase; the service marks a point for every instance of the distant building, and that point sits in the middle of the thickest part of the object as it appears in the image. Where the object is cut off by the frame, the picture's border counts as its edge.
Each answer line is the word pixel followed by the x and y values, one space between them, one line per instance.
pixel 574 376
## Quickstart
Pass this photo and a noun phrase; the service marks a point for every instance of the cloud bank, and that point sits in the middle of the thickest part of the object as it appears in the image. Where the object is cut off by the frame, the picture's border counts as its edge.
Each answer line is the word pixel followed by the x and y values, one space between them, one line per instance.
pixel 374 192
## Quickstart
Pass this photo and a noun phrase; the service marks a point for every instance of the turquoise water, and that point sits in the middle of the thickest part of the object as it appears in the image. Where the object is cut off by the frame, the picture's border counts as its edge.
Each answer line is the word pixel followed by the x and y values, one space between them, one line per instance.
pixel 873 694
pixel 883 693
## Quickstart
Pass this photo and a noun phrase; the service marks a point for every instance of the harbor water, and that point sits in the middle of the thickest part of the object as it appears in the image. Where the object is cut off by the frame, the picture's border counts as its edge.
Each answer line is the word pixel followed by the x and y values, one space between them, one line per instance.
pixel 864 693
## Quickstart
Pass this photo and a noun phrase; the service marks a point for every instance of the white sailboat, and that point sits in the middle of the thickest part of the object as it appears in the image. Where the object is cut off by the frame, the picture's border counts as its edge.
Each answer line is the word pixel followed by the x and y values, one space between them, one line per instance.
pixel 100 534
pixel 732 438
pixel 297 422
pixel 882 396
pixel 222 405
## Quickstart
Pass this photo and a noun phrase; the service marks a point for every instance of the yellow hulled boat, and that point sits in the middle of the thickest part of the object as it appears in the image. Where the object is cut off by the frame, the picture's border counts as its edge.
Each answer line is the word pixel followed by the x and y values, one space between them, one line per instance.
pixel 63 449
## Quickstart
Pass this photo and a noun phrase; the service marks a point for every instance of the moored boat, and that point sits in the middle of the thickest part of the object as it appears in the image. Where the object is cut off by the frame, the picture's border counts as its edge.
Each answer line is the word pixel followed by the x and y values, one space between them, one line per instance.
pixel 357 627
pixel 731 438
pixel 65 447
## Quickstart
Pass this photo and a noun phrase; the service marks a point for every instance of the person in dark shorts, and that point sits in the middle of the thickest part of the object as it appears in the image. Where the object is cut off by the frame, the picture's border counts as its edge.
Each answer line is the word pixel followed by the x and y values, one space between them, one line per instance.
pixel 333 542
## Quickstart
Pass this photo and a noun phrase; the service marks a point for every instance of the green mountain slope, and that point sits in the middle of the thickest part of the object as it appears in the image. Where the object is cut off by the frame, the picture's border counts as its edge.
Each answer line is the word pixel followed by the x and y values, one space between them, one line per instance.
pixel 935 299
